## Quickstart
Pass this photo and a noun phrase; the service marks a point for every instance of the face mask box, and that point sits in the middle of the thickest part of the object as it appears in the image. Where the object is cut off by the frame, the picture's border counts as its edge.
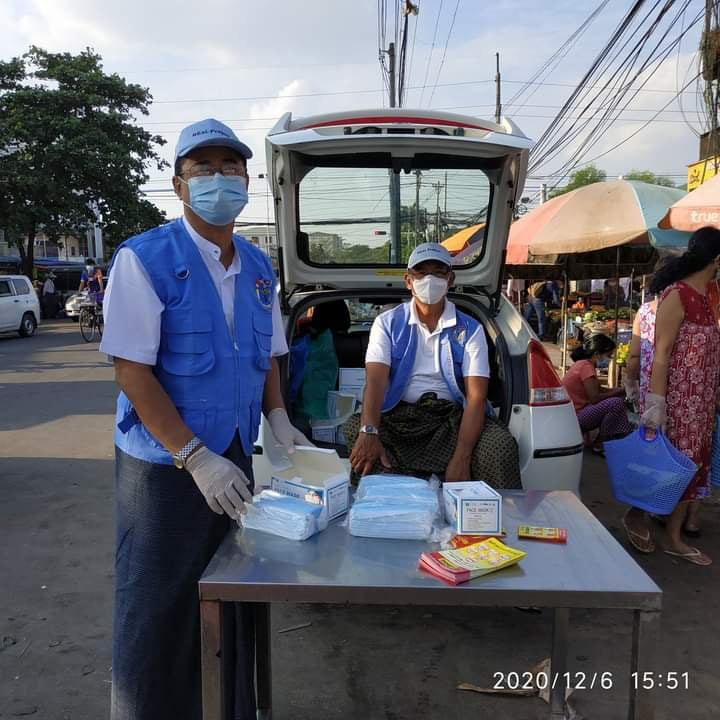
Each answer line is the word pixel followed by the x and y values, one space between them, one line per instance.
pixel 352 382
pixel 340 407
pixel 317 476
pixel 473 508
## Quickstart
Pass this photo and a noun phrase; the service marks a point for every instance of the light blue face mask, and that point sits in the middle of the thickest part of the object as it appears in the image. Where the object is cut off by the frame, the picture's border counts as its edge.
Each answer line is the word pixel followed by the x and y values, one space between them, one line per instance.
pixel 218 199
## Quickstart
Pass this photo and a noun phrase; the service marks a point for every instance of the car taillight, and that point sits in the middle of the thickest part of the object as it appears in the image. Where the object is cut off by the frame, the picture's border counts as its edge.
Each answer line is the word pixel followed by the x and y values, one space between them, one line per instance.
pixel 545 385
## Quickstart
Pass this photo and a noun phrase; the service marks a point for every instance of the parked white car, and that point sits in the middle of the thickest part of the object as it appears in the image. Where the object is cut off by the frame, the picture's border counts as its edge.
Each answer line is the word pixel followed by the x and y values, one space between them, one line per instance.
pixel 19 305
pixel 332 184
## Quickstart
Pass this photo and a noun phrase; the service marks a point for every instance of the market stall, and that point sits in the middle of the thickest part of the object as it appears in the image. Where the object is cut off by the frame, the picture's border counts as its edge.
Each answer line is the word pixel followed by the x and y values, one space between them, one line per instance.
pixel 603 230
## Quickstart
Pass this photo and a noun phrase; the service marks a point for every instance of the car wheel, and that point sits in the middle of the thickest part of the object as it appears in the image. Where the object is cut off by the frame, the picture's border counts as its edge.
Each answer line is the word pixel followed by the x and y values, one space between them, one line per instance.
pixel 75 318
pixel 28 325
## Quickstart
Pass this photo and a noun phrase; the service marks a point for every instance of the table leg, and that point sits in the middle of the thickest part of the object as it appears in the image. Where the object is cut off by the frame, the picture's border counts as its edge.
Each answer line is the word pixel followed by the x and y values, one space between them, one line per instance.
pixel 213 675
pixel 646 631
pixel 263 660
pixel 558 663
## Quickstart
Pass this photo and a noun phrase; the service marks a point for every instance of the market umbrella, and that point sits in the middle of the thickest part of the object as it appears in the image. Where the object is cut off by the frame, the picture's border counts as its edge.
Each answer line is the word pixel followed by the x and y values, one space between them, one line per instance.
pixel 463 238
pixel 599 217
pixel 603 215
pixel 697 209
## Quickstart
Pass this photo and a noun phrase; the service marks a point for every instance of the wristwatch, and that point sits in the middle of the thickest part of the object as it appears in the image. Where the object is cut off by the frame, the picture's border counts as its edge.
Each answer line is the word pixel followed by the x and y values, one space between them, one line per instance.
pixel 184 453
pixel 369 430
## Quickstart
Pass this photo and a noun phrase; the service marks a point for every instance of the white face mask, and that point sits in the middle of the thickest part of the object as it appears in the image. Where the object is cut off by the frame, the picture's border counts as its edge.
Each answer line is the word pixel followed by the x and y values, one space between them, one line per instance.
pixel 430 289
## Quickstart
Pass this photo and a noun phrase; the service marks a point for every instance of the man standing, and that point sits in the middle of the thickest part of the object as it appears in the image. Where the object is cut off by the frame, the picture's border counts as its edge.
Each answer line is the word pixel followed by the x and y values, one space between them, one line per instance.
pixel 537 294
pixel 48 300
pixel 193 323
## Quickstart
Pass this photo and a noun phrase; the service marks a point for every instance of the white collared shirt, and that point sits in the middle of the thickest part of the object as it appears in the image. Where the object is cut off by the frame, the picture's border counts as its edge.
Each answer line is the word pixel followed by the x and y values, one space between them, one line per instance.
pixel 132 309
pixel 426 373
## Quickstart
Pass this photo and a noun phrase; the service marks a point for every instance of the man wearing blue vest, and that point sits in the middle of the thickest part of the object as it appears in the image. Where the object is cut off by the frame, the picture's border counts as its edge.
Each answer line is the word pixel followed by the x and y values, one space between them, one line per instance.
pixel 193 324
pixel 425 408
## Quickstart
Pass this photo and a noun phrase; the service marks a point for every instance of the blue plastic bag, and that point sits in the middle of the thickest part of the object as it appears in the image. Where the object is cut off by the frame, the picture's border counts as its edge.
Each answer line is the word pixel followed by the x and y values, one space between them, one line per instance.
pixel 715 457
pixel 650 474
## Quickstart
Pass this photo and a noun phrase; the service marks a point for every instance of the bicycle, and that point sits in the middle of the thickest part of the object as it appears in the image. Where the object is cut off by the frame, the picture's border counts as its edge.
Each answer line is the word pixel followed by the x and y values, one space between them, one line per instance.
pixel 91 320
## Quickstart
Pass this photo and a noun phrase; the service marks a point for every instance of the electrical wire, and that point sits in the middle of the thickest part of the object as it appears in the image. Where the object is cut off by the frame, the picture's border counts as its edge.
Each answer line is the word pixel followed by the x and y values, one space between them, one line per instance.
pixel 604 107
pixel 432 48
pixel 412 50
pixel 442 61
pixel 555 59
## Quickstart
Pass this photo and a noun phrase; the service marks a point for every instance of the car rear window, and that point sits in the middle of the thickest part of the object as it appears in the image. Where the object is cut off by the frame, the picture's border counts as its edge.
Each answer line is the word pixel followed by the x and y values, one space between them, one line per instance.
pixel 344 214
pixel 21 286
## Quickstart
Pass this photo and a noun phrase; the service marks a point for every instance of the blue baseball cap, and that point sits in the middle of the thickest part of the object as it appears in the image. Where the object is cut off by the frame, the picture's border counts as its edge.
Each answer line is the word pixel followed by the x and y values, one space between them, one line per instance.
pixel 429 251
pixel 207 133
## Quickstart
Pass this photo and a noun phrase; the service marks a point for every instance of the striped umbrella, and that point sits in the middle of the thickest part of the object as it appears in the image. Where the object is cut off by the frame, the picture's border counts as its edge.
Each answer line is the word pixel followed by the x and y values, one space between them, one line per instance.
pixel 600 216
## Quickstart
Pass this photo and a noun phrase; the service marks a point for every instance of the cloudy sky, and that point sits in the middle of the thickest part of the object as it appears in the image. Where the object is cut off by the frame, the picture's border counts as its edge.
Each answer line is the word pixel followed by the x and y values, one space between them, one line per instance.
pixel 245 62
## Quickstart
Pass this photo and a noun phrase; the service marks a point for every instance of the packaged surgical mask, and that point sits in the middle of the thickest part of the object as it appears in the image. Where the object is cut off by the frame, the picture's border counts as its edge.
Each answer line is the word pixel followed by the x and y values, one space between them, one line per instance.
pixel 218 199
pixel 394 506
pixel 430 289
pixel 282 515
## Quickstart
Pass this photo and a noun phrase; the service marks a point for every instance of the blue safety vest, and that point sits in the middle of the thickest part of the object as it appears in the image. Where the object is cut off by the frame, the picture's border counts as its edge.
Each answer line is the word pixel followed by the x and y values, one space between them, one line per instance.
pixel 404 340
pixel 216 381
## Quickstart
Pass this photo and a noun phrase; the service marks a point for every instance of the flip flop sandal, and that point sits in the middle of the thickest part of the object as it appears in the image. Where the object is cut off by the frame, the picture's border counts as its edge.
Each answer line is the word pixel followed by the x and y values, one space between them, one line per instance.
pixel 694 556
pixel 641 543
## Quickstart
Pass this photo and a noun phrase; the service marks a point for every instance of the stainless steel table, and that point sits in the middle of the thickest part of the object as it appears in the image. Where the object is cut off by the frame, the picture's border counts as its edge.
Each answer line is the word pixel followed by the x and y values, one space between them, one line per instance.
pixel 591 571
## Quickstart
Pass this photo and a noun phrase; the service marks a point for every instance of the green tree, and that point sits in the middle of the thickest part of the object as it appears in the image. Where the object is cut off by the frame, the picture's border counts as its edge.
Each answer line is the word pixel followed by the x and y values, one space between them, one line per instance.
pixel 649 177
pixel 585 176
pixel 139 217
pixel 71 151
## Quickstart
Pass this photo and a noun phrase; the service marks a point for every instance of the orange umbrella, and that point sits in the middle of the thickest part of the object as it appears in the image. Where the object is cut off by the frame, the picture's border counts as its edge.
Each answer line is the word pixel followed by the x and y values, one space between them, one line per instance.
pixel 463 238
pixel 697 209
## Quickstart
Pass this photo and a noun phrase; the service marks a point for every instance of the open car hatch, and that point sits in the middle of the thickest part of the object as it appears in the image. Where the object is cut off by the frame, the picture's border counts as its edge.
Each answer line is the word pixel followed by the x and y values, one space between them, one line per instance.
pixel 355 192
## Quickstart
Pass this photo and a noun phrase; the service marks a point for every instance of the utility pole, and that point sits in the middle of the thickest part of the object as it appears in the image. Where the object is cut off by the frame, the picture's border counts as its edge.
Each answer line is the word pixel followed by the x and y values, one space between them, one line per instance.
pixel 498 105
pixel 445 210
pixel 417 206
pixel 710 60
pixel 438 236
pixel 543 190
pixel 395 239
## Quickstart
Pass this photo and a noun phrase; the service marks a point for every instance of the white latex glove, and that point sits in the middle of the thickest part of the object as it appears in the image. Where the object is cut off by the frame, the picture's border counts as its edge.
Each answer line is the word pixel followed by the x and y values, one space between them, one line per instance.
pixel 284 431
pixel 655 415
pixel 632 389
pixel 223 484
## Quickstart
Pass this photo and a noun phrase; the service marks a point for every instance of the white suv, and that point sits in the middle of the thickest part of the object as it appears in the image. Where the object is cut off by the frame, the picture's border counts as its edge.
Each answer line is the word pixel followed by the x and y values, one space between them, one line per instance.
pixel 341 237
pixel 19 305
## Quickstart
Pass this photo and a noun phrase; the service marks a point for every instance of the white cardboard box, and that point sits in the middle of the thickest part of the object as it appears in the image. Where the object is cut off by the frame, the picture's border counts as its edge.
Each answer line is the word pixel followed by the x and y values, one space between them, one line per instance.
pixel 473 508
pixel 340 407
pixel 324 433
pixel 352 382
pixel 316 476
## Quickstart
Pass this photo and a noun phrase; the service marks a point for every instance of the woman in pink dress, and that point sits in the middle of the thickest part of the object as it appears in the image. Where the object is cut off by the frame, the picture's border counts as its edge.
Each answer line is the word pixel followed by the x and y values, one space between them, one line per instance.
pixel 683 392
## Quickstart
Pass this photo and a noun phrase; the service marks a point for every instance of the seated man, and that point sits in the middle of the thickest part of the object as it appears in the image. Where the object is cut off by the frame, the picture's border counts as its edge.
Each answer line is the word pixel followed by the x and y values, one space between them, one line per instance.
pixel 424 407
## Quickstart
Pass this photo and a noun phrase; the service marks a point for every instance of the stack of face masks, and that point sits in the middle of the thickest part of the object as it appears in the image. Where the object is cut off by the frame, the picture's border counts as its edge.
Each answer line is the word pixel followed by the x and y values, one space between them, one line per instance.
pixel 394 506
pixel 283 515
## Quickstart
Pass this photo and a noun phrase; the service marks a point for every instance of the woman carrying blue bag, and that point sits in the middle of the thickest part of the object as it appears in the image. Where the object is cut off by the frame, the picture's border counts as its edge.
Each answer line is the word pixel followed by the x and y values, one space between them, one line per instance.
pixel 683 391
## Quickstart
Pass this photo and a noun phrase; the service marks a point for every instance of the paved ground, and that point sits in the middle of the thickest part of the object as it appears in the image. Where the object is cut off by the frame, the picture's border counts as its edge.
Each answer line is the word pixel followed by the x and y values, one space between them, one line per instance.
pixel 56 574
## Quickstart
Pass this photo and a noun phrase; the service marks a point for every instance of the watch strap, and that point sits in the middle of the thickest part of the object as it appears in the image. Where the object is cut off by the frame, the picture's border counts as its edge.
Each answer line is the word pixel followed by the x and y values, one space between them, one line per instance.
pixel 184 453
pixel 369 430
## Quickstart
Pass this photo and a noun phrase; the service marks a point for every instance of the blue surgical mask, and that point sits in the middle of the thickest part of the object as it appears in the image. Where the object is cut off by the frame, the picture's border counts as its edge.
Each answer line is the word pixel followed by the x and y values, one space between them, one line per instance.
pixel 218 199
